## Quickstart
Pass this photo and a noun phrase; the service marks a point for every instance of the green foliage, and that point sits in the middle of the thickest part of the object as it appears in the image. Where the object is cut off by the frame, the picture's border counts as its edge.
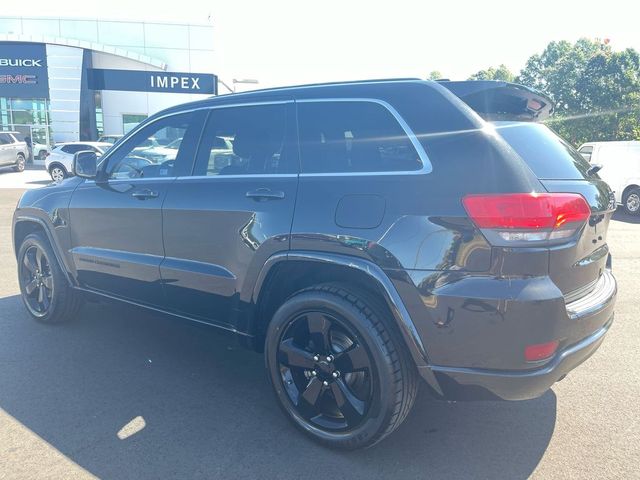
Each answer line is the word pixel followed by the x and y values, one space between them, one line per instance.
pixel 500 73
pixel 595 89
pixel 434 75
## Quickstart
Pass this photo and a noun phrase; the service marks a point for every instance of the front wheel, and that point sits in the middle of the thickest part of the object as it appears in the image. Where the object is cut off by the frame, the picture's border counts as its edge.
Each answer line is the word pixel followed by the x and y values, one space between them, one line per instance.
pixel 58 174
pixel 20 163
pixel 44 287
pixel 338 371
pixel 631 201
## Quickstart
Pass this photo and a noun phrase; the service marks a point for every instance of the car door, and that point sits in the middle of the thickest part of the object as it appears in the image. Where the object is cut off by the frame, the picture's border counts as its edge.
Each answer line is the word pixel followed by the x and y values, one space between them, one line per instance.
pixel 116 221
pixel 221 223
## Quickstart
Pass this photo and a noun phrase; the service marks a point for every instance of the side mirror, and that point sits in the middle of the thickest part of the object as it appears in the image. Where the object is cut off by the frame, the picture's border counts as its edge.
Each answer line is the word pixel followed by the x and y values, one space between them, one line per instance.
pixel 85 164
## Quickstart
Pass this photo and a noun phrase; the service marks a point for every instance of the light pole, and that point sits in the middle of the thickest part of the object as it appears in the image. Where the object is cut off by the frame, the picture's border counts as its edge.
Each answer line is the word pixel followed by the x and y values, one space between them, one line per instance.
pixel 235 81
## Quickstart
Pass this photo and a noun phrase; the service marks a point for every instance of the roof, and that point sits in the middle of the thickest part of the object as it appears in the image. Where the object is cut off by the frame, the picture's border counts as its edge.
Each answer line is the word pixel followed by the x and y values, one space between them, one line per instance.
pixel 383 88
pixel 95 144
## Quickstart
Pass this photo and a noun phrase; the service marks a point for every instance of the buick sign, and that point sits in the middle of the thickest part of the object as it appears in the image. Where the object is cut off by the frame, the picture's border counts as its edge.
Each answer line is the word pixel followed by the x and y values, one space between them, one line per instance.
pixel 20 62
pixel 23 70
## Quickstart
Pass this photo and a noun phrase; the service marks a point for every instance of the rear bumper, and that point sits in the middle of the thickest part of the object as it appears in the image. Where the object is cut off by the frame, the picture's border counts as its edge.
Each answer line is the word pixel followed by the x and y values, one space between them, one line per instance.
pixel 462 383
pixel 477 384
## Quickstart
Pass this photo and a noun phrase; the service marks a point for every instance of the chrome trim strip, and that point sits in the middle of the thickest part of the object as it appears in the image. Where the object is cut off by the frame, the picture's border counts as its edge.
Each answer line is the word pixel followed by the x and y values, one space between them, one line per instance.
pixel 253 175
pixel 427 167
pixel 604 291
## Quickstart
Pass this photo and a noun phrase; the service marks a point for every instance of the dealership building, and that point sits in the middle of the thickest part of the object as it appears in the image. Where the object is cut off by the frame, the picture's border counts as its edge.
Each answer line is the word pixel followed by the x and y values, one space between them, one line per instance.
pixel 69 79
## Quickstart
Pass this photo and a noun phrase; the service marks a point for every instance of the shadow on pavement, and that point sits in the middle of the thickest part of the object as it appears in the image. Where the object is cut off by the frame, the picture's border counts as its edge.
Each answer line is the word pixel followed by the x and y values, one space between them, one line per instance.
pixel 621 216
pixel 209 411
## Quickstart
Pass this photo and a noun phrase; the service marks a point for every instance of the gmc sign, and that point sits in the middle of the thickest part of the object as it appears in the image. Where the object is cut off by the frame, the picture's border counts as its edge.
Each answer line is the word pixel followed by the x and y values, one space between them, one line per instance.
pixel 24 79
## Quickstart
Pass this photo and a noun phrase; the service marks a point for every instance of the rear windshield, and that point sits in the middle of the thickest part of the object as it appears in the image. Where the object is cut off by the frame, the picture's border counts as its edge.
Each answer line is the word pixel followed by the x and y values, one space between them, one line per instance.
pixel 548 156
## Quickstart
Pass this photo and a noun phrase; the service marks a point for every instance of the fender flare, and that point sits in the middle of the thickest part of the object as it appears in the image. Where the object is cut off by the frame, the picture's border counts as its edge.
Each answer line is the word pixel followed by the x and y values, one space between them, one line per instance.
pixel 54 245
pixel 391 296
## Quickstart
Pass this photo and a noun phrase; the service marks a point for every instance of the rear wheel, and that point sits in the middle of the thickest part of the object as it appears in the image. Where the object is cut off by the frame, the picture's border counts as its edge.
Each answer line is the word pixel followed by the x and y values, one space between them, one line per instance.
pixel 631 201
pixel 45 290
pixel 20 162
pixel 58 173
pixel 339 373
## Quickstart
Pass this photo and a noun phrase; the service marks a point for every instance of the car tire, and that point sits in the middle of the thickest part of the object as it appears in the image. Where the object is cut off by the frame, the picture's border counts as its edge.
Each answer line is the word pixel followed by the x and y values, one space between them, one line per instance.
pixel 340 373
pixel 45 290
pixel 631 201
pixel 20 163
pixel 58 173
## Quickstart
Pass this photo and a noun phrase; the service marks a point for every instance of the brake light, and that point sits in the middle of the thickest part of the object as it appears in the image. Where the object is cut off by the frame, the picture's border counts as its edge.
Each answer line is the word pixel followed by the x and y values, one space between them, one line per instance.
pixel 540 351
pixel 527 217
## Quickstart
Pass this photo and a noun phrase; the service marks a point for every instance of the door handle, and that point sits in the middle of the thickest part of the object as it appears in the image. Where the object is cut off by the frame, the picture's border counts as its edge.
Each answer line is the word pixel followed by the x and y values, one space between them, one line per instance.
pixel 144 194
pixel 262 194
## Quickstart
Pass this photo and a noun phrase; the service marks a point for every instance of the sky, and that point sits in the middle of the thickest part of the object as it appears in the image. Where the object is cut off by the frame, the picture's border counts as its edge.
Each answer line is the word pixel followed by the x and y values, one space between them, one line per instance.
pixel 286 42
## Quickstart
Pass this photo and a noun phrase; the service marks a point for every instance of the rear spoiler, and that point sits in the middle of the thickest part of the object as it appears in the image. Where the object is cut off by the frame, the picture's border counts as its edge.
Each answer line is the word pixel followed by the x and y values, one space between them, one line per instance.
pixel 496 100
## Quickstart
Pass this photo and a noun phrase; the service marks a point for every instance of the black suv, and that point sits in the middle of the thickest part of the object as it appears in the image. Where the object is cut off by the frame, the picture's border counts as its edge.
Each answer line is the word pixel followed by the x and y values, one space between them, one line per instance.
pixel 365 236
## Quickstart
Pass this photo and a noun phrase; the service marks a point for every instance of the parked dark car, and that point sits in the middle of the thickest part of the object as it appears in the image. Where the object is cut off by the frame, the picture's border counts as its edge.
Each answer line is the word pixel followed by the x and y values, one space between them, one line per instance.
pixel 367 236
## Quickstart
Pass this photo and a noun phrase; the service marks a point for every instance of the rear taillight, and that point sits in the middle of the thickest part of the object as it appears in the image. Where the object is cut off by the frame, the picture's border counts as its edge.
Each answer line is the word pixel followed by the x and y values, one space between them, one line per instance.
pixel 527 218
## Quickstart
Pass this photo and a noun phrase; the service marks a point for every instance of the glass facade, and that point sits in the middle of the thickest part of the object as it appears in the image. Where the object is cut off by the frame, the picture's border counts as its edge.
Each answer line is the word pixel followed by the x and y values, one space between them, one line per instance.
pixel 30 117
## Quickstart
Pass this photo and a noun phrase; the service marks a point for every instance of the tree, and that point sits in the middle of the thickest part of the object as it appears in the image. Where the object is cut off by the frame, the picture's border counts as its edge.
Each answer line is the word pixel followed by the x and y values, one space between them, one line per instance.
pixel 434 75
pixel 500 73
pixel 596 90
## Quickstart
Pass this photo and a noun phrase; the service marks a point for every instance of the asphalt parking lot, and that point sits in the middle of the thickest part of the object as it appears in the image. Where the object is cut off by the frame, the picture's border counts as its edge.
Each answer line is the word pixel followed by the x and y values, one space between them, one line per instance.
pixel 123 393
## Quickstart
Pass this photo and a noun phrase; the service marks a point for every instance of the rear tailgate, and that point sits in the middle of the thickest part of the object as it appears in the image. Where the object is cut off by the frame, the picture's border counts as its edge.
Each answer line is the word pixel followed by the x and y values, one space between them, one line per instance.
pixel 574 267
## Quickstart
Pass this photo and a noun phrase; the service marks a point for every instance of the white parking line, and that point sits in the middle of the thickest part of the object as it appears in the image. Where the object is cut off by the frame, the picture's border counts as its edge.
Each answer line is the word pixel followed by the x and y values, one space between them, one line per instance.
pixel 26 180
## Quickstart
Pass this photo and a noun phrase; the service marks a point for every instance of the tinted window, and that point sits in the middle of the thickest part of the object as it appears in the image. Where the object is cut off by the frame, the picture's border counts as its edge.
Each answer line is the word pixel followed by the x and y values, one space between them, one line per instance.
pixel 586 153
pixel 75 148
pixel 142 157
pixel 5 139
pixel 548 156
pixel 245 141
pixel 353 137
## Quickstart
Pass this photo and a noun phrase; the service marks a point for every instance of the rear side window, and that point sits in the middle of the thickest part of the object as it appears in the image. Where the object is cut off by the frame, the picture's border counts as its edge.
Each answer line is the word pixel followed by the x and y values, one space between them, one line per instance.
pixel 548 156
pixel 72 149
pixel 586 152
pixel 353 136
pixel 5 139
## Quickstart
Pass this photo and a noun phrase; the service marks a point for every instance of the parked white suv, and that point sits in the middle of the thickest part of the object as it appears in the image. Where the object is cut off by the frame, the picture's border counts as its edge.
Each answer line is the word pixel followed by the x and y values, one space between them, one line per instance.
pixel 13 153
pixel 620 163
pixel 59 161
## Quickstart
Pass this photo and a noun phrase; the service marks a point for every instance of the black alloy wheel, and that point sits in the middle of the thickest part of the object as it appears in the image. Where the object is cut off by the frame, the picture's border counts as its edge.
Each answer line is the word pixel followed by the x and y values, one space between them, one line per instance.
pixel 325 371
pixel 37 279
pixel 339 369
pixel 46 292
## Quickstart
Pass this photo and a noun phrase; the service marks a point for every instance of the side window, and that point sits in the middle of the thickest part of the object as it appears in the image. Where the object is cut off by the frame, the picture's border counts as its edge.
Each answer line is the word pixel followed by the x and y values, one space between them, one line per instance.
pixel 245 141
pixel 353 136
pixel 75 148
pixel 4 139
pixel 141 156
pixel 586 152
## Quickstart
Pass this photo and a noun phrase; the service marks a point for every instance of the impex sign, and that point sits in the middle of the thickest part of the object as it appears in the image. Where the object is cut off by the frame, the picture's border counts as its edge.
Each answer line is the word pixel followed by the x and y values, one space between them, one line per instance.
pixel 144 81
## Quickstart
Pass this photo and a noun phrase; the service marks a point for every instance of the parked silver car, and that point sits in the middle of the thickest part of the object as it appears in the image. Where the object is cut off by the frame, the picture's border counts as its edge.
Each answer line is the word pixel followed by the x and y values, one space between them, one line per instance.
pixel 13 153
